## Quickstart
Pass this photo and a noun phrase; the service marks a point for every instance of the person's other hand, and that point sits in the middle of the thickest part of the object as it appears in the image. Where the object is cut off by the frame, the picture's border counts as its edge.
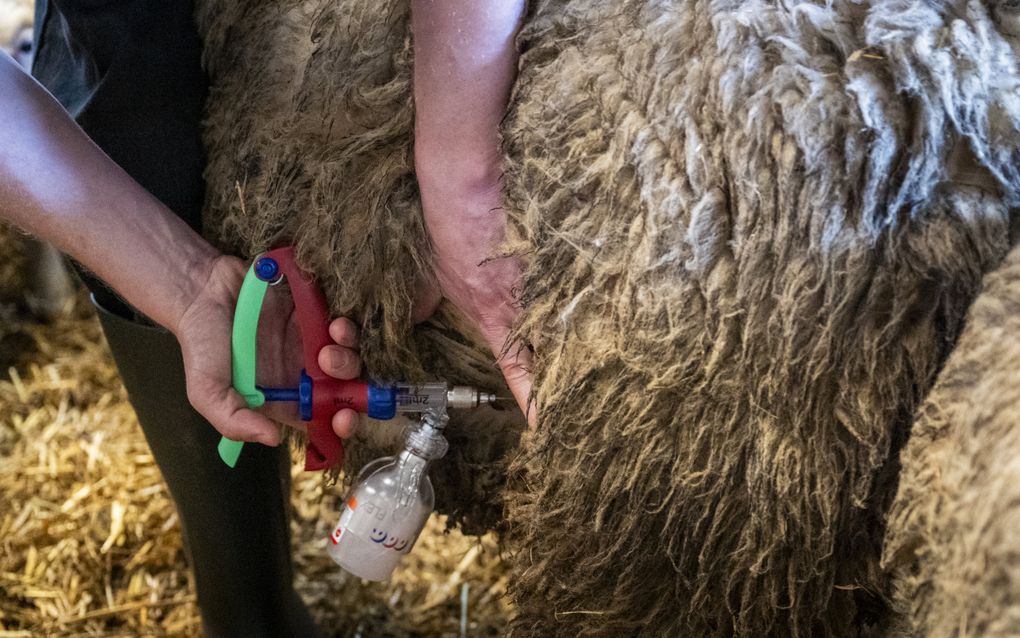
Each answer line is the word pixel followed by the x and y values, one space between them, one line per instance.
pixel 465 62
pixel 204 332
pixel 466 223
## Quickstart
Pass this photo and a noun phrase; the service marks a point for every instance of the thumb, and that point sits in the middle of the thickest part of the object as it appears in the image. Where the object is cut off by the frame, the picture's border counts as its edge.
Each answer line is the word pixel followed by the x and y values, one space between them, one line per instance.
pixel 227 411
pixel 515 361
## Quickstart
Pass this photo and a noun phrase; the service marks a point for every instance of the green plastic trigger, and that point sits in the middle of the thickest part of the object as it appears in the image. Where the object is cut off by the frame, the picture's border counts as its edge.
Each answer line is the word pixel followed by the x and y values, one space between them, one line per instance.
pixel 243 352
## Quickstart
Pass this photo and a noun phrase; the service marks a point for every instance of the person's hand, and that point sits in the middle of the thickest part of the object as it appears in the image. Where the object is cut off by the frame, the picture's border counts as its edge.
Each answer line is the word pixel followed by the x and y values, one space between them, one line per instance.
pixel 204 334
pixel 467 224
pixel 465 62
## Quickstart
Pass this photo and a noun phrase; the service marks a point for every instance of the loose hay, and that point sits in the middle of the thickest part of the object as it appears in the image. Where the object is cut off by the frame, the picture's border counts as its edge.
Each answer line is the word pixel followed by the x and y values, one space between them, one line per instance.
pixel 751 248
pixel 90 543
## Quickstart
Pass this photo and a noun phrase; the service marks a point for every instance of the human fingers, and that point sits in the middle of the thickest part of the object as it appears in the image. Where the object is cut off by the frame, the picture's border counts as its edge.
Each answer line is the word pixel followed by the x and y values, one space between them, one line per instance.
pixel 345 423
pixel 515 361
pixel 284 413
pixel 343 331
pixel 340 362
pixel 226 410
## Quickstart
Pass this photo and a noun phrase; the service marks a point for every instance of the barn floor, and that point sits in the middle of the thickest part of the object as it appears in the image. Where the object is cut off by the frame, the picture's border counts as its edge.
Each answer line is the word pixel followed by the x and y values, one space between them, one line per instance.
pixel 90 543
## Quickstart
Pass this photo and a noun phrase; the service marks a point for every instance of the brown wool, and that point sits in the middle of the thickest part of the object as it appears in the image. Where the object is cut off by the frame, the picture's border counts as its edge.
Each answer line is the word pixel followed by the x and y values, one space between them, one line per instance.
pixel 951 544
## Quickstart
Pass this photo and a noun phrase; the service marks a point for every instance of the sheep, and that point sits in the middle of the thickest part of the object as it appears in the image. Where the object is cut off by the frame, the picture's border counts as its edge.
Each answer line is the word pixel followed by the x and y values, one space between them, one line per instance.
pixel 752 231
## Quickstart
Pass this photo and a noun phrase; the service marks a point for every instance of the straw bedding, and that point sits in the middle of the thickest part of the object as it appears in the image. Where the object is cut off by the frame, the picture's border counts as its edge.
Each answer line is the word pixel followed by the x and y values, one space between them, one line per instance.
pixel 752 231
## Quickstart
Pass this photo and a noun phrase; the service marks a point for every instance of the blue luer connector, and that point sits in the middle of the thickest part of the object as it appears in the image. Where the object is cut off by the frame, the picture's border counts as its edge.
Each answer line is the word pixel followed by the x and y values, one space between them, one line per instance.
pixel 267 269
pixel 382 402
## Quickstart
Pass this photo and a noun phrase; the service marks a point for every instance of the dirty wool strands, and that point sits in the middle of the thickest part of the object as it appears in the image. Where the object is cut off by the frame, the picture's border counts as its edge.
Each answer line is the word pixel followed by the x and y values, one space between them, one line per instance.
pixel 766 254
pixel 951 541
pixel 752 231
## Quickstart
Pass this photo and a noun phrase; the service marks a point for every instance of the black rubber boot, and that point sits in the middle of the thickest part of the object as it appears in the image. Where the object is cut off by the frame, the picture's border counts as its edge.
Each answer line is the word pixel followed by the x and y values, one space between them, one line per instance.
pixel 235 521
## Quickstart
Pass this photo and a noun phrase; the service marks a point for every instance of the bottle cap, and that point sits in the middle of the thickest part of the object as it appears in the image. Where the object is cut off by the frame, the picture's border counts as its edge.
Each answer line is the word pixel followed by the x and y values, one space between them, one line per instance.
pixel 428 441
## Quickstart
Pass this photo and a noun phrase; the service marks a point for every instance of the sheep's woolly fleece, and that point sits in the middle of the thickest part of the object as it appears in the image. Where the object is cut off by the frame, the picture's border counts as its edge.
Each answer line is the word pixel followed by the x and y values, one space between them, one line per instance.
pixel 752 231
pixel 951 542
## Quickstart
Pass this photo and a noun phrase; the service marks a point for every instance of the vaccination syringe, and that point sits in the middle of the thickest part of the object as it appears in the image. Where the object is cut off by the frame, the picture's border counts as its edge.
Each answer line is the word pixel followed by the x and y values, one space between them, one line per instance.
pixel 383 401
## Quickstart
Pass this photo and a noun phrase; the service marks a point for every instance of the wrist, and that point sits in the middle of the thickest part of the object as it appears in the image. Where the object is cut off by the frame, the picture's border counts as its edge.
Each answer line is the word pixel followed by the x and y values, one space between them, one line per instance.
pixel 197 273
pixel 463 220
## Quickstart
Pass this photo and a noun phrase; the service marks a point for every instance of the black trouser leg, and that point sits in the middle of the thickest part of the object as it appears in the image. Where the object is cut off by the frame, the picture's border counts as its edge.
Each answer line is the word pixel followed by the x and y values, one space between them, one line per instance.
pixel 235 521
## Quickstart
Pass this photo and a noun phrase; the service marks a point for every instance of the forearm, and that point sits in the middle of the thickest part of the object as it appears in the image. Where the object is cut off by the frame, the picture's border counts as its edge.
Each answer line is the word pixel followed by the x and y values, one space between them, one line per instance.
pixel 465 65
pixel 56 184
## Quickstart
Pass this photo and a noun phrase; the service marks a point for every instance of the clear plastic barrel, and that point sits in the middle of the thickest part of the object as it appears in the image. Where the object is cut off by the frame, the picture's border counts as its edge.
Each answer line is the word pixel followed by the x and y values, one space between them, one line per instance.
pixel 436 396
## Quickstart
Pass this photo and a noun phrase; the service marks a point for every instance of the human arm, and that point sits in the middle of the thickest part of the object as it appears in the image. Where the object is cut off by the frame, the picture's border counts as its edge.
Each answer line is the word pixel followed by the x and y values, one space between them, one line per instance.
pixel 57 184
pixel 465 65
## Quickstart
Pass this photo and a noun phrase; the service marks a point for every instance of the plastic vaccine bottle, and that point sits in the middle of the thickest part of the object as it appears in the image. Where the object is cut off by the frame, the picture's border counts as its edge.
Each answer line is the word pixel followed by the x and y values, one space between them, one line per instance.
pixel 387 509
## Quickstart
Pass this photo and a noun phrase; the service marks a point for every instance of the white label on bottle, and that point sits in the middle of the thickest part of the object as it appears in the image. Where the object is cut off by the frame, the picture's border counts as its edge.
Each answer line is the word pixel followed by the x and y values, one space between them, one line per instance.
pixel 345 518
pixel 372 521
